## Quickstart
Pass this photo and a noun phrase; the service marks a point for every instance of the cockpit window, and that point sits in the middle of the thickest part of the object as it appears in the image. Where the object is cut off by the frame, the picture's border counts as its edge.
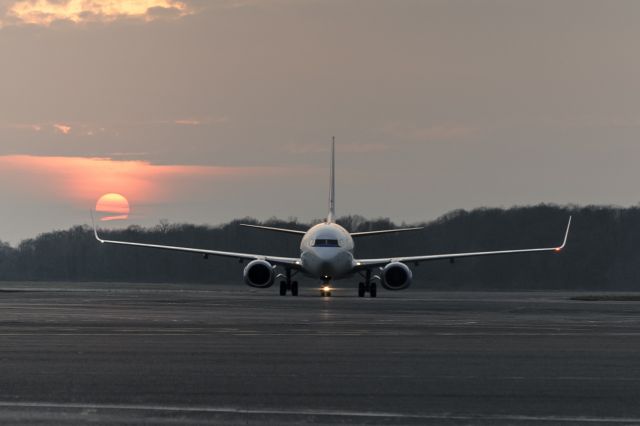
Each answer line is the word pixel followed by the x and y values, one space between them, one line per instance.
pixel 325 243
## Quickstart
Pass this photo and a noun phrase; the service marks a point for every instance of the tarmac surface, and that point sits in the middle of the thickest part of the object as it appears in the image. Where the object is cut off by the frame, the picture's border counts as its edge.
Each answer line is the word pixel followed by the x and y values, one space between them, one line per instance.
pixel 202 354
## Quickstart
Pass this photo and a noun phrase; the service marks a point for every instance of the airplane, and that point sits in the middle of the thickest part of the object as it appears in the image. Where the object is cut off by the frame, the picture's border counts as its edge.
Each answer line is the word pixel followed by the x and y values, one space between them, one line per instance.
pixel 326 253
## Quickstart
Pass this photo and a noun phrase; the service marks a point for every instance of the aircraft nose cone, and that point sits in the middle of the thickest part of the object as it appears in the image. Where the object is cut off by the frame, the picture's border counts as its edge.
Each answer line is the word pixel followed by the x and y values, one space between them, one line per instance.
pixel 326 268
pixel 326 255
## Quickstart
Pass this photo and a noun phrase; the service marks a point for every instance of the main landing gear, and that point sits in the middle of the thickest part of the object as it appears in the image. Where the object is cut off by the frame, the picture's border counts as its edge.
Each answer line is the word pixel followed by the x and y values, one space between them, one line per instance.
pixel 367 286
pixel 288 285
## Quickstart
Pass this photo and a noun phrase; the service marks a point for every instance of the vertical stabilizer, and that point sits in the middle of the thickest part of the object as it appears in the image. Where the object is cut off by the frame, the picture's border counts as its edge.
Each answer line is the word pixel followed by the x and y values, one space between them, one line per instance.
pixel 332 189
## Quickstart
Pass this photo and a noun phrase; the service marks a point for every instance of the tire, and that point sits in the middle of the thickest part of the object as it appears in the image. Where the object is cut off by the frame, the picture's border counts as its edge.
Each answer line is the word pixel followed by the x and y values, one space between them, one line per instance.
pixel 294 288
pixel 361 290
pixel 283 288
pixel 373 290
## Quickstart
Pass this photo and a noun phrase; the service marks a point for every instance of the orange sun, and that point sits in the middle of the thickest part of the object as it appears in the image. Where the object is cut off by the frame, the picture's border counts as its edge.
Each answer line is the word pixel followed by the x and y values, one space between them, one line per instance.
pixel 114 205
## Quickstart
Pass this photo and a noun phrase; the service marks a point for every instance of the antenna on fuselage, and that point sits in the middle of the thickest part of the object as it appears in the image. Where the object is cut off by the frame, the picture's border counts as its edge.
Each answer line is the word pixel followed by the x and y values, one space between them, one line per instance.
pixel 332 188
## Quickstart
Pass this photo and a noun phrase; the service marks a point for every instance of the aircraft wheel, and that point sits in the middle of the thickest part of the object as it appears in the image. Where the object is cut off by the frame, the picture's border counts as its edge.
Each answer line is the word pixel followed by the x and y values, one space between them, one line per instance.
pixel 373 290
pixel 283 288
pixel 361 290
pixel 294 288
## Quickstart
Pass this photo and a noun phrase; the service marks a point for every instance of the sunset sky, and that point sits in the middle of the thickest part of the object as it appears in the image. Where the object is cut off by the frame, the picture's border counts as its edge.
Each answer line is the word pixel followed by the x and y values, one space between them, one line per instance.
pixel 207 110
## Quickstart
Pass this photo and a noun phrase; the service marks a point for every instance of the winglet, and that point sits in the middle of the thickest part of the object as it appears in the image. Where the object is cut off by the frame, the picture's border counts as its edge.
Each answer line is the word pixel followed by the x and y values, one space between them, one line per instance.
pixel 95 228
pixel 566 236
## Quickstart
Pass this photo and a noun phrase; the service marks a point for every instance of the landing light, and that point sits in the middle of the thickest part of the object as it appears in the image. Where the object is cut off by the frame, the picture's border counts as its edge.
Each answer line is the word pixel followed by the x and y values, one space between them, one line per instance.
pixel 326 288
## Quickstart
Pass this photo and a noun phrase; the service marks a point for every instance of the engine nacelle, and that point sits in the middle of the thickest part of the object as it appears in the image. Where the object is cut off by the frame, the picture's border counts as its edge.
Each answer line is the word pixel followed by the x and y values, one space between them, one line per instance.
pixel 259 273
pixel 396 276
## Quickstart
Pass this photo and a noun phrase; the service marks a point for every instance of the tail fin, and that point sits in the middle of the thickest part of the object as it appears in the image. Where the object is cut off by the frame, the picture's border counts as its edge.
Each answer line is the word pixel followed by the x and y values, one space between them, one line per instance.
pixel 332 189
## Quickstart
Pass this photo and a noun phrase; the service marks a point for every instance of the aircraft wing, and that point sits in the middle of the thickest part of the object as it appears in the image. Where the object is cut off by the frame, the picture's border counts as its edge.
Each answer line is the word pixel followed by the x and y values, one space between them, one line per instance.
pixel 367 263
pixel 290 262
pixel 353 234
pixel 271 228
pixel 384 231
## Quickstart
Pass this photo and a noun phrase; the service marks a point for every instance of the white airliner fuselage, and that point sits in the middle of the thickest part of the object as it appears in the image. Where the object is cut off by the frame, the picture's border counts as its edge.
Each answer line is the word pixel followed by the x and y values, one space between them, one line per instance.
pixel 326 253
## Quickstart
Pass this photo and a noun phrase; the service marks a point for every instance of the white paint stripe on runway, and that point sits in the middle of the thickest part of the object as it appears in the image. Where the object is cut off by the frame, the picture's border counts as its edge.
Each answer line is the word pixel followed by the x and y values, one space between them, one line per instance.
pixel 312 412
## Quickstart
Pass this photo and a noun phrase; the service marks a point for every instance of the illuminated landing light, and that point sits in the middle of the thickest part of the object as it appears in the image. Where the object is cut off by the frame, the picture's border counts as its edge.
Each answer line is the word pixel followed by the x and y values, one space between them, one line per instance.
pixel 326 288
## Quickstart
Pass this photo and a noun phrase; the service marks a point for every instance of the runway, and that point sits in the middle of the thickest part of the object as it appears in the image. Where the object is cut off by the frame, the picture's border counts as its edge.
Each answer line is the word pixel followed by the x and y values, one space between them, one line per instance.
pixel 198 354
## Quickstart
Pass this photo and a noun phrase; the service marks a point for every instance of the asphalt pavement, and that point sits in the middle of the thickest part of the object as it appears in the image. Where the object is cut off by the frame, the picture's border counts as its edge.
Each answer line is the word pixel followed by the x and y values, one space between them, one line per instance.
pixel 228 354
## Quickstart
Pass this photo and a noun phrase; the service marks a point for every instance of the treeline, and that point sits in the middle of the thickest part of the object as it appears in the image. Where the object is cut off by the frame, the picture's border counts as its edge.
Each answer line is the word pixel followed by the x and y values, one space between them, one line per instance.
pixel 603 252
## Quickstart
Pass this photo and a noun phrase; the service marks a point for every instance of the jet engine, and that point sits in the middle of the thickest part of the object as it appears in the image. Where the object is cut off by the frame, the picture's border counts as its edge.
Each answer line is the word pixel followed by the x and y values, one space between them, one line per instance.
pixel 396 276
pixel 259 273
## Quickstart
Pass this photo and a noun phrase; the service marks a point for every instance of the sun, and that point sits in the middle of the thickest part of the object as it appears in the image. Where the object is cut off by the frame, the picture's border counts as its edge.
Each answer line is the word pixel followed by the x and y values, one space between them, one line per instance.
pixel 114 206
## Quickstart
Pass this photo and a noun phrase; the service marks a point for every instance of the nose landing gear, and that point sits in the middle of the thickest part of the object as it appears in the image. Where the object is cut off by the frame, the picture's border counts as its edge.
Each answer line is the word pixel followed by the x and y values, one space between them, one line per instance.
pixel 325 288
pixel 325 291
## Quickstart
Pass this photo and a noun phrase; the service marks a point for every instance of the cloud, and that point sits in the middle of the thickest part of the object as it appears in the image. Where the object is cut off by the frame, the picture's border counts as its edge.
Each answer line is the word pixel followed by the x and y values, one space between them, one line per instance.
pixel 36 127
pixel 83 180
pixel 65 128
pixel 62 128
pixel 200 121
pixel 187 122
pixel 235 4
pixel 45 12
